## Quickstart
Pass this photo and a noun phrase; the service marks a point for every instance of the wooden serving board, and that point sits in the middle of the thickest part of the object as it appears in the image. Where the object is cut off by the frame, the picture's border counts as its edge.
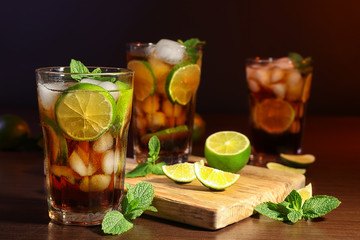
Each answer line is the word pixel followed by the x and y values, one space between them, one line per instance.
pixel 194 204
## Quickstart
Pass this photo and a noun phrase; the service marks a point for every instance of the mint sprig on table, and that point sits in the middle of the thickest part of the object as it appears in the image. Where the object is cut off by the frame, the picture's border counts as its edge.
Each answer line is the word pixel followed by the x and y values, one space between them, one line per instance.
pixel 291 210
pixel 150 166
pixel 79 67
pixel 303 64
pixel 137 200
pixel 191 48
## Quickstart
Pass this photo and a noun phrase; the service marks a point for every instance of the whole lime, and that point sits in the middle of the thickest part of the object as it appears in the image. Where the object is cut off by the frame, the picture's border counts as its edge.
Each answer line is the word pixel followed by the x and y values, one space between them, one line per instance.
pixel 14 131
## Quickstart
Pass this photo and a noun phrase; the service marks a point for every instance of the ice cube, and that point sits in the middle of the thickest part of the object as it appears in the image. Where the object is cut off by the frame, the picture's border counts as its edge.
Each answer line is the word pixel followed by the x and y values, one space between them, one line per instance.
pixel 107 164
pixel 50 92
pixel 263 76
pixel 156 120
pixel 104 143
pixel 170 51
pixel 277 75
pixel 151 104
pixel 112 88
pixel 294 86
pixel 78 165
pixel 96 183
pixel 283 63
pixel 91 81
pixel 253 85
pixel 279 90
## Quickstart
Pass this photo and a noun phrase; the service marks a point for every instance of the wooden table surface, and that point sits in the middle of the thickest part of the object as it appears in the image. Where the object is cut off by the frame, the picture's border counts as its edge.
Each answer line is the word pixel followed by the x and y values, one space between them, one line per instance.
pixel 333 140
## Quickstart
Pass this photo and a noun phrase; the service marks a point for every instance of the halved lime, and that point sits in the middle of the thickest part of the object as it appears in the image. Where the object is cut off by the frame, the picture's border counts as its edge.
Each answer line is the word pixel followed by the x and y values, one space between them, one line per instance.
pixel 297 160
pixel 280 167
pixel 214 178
pixel 274 115
pixel 85 111
pixel 144 79
pixel 305 193
pixel 227 150
pixel 181 172
pixel 182 82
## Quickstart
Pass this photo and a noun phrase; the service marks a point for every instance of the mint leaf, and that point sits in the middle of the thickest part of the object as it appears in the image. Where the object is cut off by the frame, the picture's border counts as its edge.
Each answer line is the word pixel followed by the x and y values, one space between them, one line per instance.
pixel 96 70
pixel 319 205
pixel 140 170
pixel 295 200
pixel 115 223
pixel 78 67
pixel 294 216
pixel 154 147
pixel 271 210
pixel 304 65
pixel 157 169
pixel 191 48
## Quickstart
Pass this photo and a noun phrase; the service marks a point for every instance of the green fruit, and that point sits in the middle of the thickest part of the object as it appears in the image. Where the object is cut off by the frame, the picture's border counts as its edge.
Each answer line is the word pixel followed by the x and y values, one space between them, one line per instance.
pixel 14 131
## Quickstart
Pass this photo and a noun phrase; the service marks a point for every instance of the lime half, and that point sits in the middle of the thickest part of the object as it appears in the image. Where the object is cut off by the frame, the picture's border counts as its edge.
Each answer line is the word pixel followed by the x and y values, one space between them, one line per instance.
pixel 144 79
pixel 227 150
pixel 214 178
pixel 183 82
pixel 85 111
pixel 181 172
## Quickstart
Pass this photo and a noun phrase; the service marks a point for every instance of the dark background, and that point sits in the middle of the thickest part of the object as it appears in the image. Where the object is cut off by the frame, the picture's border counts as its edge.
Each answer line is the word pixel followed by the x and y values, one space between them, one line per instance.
pixel 42 33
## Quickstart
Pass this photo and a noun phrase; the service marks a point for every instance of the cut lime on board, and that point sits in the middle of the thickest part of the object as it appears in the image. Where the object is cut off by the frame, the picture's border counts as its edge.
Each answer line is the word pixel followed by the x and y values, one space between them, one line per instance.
pixel 144 79
pixel 182 82
pixel 214 178
pixel 85 111
pixel 227 150
pixel 305 193
pixel 300 161
pixel 280 167
pixel 274 115
pixel 181 172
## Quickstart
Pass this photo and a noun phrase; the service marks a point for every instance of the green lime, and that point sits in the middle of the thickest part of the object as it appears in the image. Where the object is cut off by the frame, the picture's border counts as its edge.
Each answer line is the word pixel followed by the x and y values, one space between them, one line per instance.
pixel 85 111
pixel 297 160
pixel 280 167
pixel 14 131
pixel 227 150
pixel 181 172
pixel 166 134
pixel 123 109
pixel 274 115
pixel 182 82
pixel 144 79
pixel 214 178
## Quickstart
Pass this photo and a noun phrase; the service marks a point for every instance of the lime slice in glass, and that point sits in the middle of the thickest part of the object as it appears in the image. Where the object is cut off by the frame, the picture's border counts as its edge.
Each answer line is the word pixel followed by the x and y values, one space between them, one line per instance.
pixel 144 79
pixel 227 150
pixel 182 82
pixel 85 111
pixel 214 178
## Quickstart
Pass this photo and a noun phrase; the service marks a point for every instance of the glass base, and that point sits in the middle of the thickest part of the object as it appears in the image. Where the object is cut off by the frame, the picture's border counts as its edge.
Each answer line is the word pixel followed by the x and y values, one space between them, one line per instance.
pixel 70 218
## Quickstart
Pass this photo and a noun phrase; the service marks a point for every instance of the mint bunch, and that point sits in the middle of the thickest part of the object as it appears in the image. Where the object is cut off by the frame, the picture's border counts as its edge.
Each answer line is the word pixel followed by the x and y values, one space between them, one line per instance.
pixel 137 200
pixel 150 166
pixel 79 67
pixel 191 48
pixel 291 210
pixel 303 64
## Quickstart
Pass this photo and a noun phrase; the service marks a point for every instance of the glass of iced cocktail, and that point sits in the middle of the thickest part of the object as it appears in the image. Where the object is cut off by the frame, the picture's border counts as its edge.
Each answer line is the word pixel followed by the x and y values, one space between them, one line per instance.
pixel 85 114
pixel 279 90
pixel 167 76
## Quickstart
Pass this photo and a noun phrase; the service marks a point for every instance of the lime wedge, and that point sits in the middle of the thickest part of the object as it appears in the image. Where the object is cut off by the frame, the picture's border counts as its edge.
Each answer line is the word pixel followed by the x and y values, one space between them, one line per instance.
pixel 280 167
pixel 274 115
pixel 144 79
pixel 227 150
pixel 123 109
pixel 297 160
pixel 182 82
pixel 214 178
pixel 181 172
pixel 305 193
pixel 85 111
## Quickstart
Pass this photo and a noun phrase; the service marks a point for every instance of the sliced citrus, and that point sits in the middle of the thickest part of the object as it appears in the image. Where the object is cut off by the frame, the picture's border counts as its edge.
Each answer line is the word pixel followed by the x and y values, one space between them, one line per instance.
pixel 305 193
pixel 274 115
pixel 85 111
pixel 178 132
pixel 144 79
pixel 161 70
pixel 227 150
pixel 214 178
pixel 297 160
pixel 182 82
pixel 280 167
pixel 181 172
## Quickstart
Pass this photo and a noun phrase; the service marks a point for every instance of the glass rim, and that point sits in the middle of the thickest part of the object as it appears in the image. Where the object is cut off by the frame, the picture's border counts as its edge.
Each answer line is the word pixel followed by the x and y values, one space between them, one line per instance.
pixel 141 44
pixel 117 71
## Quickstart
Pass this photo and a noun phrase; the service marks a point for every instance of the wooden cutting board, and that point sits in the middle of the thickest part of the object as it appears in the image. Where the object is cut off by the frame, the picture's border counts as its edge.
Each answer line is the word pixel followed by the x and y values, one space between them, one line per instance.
pixel 194 204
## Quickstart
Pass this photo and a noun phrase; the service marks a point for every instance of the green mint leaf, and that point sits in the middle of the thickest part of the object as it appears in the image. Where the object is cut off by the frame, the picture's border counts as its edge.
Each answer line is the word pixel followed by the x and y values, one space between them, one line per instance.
pixel 154 147
pixel 96 70
pixel 157 169
pixel 191 48
pixel 272 210
pixel 78 67
pixel 304 65
pixel 115 223
pixel 140 170
pixel 319 205
pixel 295 200
pixel 151 208
pixel 294 215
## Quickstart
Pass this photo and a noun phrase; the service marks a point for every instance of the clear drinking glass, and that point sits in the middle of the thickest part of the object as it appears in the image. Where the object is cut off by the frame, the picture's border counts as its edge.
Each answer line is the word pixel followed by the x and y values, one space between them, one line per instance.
pixel 278 97
pixel 165 85
pixel 85 125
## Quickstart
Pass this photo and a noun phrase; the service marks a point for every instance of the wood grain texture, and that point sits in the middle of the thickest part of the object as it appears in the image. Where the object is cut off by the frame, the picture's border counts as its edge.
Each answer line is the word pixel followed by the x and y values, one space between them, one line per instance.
pixel 196 205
